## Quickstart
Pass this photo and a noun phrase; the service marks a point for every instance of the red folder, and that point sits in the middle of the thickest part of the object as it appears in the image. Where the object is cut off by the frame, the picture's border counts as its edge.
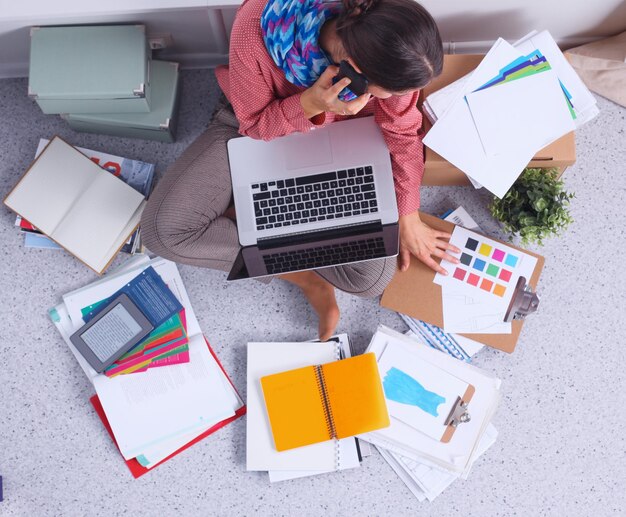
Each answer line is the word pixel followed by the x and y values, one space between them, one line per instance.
pixel 136 469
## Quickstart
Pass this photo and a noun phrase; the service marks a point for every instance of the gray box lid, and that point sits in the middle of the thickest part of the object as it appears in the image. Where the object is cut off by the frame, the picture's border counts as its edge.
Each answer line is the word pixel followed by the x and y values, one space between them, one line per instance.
pixel 88 62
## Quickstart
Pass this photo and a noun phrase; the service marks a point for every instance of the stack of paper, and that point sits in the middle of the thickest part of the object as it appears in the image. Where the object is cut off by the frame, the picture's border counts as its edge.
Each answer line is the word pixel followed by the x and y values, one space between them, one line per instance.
pixel 520 98
pixel 135 173
pixel 269 358
pixel 412 444
pixel 154 414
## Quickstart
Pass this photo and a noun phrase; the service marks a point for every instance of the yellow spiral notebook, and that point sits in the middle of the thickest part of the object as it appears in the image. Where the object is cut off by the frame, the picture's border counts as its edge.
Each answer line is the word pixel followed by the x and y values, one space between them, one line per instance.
pixel 318 403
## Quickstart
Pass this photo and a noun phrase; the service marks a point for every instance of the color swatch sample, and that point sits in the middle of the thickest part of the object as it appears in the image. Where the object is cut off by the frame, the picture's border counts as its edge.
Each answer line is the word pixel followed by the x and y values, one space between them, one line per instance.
pixel 490 267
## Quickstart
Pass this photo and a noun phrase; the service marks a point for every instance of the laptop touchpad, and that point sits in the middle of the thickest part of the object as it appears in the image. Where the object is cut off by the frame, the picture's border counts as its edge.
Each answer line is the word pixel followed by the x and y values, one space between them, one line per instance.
pixel 308 150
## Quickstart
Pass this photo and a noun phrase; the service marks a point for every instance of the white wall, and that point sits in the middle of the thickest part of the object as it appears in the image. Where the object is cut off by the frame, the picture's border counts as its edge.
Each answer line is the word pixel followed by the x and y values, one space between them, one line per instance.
pixel 472 22
pixel 200 27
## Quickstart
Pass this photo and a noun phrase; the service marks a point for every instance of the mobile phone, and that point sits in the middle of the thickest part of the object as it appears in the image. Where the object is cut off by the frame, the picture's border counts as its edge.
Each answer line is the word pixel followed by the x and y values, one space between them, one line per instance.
pixel 358 82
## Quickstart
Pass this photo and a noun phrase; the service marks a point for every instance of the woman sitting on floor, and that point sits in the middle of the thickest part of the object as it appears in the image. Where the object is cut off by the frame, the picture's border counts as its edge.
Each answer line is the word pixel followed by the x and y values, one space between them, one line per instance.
pixel 283 56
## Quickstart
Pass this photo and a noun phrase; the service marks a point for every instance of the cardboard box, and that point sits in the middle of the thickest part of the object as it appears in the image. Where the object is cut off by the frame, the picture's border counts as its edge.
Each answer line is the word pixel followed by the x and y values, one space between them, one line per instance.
pixel 160 124
pixel 90 69
pixel 560 154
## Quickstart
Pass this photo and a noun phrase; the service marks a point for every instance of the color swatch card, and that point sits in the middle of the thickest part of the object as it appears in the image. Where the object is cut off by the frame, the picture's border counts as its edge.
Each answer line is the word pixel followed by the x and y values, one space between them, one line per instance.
pixel 476 292
pixel 417 392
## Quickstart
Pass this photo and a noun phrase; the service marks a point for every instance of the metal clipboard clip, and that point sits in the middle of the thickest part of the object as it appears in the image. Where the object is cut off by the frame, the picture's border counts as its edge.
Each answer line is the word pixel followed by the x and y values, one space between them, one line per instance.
pixel 458 414
pixel 524 301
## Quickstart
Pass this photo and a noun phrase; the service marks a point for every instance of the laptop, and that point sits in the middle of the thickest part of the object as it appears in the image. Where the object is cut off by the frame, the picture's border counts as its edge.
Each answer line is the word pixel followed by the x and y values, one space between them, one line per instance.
pixel 311 200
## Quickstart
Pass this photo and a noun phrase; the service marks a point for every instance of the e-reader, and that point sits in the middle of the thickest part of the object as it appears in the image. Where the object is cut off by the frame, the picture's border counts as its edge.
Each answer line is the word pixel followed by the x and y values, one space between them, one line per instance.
pixel 111 333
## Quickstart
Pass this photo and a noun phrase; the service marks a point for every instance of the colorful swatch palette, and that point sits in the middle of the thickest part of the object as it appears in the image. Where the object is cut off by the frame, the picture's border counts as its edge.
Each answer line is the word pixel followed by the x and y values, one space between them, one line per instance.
pixel 486 267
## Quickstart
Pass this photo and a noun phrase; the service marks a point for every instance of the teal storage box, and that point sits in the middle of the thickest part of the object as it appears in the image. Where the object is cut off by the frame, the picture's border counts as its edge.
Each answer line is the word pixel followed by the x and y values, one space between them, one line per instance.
pixel 90 69
pixel 159 124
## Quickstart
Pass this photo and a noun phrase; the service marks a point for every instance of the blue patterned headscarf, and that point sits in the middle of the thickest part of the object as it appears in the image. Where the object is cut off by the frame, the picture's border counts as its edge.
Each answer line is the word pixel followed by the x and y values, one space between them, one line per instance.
pixel 291 31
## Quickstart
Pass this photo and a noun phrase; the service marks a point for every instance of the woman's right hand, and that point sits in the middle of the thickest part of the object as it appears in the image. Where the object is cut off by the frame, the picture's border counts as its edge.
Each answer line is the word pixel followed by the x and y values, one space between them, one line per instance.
pixel 323 96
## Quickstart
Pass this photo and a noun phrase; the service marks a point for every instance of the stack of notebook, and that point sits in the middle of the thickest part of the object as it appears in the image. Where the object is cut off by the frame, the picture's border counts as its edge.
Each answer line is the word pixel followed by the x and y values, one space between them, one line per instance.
pixel 519 99
pixel 423 387
pixel 156 412
pixel 306 401
pixel 137 174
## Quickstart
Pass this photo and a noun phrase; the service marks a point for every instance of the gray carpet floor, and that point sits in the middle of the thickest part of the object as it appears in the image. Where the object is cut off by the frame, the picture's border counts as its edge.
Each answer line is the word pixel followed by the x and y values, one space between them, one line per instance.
pixel 561 448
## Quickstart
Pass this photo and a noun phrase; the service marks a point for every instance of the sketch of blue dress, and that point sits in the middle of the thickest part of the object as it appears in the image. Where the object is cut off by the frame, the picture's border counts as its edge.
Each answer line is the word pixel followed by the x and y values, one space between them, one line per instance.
pixel 401 387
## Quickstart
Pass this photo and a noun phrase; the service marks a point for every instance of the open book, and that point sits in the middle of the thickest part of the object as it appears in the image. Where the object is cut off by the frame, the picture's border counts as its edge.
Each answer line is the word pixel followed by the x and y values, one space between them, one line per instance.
pixel 73 201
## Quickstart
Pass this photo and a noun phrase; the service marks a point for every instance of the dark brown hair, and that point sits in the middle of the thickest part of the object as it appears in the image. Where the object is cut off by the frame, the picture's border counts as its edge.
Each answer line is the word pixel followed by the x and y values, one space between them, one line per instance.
pixel 395 43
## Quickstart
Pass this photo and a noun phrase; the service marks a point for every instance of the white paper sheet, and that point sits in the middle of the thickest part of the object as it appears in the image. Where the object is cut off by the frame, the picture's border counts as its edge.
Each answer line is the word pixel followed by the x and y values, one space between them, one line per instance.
pixel 455 455
pixel 266 359
pixel 583 101
pixel 348 456
pixel 431 481
pixel 421 395
pixel 163 403
pixel 504 114
pixel 455 137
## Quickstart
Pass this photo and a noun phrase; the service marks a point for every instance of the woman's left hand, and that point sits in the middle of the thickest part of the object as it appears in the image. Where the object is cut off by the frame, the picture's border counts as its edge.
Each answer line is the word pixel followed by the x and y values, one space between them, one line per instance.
pixel 421 241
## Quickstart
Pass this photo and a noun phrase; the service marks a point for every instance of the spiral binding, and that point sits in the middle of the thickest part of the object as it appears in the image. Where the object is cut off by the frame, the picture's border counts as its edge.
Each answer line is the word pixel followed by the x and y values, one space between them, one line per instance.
pixel 328 414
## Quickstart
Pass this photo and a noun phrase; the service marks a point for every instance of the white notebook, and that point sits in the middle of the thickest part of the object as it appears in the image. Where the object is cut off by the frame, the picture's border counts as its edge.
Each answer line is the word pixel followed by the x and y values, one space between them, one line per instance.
pixel 85 209
pixel 268 358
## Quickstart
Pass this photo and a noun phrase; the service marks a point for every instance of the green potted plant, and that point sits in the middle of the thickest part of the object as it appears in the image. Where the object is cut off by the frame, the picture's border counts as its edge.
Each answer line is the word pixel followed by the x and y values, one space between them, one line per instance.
pixel 535 207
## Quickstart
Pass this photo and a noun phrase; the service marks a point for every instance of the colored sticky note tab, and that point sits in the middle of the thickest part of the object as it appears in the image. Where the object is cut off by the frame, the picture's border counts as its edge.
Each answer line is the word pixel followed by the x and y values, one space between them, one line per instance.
pixel 459 273
pixel 479 264
pixel 473 279
pixel 485 249
pixel 498 255
pixel 471 244
pixel 505 275
pixel 499 290
pixel 511 260
pixel 486 284
pixel 492 270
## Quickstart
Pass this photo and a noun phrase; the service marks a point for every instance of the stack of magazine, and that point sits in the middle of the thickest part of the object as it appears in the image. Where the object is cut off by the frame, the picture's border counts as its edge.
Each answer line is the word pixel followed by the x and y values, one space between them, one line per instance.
pixel 156 412
pixel 137 174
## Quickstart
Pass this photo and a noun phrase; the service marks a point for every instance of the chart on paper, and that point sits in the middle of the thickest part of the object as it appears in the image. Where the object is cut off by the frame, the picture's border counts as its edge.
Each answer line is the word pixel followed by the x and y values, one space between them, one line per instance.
pixel 477 291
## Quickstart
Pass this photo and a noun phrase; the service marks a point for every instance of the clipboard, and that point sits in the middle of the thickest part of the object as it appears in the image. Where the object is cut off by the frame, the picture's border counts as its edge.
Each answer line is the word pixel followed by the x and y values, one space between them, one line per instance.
pixel 414 293
pixel 458 414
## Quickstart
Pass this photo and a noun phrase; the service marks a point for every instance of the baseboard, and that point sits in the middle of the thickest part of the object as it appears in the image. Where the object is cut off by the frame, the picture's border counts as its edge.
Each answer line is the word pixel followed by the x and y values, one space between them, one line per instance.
pixel 482 47
pixel 207 60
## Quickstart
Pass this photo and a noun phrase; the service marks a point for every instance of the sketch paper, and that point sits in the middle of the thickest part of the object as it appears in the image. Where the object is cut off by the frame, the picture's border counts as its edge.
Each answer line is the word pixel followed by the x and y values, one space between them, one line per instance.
pixel 476 293
pixel 504 112
pixel 456 455
pixel 417 392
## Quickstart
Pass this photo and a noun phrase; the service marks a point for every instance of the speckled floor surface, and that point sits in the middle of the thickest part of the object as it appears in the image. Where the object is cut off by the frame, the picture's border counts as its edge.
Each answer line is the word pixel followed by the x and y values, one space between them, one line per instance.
pixel 562 446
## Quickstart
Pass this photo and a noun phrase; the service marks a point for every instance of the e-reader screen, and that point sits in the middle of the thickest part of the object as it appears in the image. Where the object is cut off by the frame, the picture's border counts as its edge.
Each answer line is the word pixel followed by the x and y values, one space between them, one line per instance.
pixel 114 331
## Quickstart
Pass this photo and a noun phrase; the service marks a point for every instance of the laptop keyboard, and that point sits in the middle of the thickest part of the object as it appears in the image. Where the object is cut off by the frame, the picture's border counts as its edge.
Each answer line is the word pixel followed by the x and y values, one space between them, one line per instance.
pixel 329 195
pixel 323 256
